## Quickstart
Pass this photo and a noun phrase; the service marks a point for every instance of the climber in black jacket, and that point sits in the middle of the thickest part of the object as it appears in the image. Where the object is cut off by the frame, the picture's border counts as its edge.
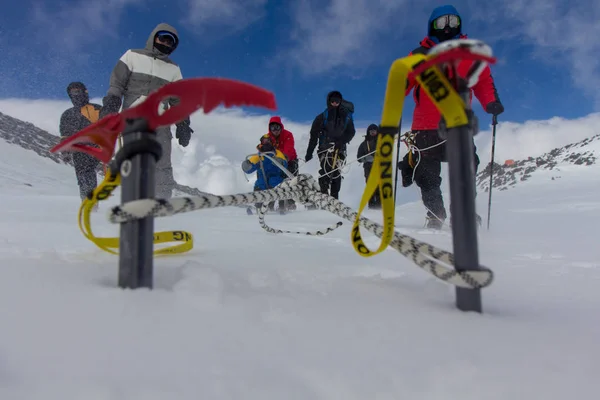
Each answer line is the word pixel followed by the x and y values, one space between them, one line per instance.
pixel 81 115
pixel 366 156
pixel 332 130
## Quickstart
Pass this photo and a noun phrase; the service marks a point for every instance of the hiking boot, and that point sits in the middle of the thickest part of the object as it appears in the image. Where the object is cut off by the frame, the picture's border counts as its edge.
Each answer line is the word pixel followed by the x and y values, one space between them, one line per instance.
pixel 478 220
pixel 291 205
pixel 434 223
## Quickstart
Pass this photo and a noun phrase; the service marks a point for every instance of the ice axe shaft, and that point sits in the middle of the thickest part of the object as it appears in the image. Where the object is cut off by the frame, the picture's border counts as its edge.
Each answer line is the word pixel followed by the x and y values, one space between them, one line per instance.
pixel 494 123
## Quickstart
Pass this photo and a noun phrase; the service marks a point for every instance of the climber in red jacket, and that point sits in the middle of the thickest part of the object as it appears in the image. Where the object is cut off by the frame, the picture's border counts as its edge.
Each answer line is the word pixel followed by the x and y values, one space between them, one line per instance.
pixel 283 140
pixel 444 24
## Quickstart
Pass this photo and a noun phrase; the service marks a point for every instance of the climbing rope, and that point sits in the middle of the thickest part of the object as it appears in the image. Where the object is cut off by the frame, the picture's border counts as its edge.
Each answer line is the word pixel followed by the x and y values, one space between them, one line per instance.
pixel 261 220
pixel 304 189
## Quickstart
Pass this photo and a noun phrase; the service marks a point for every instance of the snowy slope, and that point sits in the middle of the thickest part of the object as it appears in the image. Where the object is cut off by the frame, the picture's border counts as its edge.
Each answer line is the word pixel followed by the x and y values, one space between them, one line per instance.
pixel 254 315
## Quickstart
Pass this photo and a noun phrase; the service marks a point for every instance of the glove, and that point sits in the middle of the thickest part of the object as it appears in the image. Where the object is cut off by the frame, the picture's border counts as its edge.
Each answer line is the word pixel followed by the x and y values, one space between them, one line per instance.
pixel 183 133
pixel 494 108
pixel 369 159
pixel 406 171
pixel 246 166
pixel 338 144
pixel 308 157
pixel 110 105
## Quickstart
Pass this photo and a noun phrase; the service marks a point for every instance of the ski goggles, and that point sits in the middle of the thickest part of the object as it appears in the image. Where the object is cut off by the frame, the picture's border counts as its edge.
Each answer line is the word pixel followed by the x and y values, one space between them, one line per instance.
pixel 452 21
pixel 275 127
pixel 166 38
pixel 373 131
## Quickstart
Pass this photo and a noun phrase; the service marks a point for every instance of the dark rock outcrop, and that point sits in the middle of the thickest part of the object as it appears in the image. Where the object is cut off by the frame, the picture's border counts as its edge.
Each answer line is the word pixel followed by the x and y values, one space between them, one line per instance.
pixel 507 176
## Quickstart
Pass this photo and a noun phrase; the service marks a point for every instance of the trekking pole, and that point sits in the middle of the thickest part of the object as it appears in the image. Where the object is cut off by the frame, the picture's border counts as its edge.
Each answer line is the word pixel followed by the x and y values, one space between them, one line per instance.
pixel 136 160
pixel 494 123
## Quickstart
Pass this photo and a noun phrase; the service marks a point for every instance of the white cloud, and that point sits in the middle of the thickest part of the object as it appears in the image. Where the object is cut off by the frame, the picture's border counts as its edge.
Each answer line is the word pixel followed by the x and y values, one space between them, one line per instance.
pixel 79 23
pixel 339 33
pixel 232 15
pixel 562 34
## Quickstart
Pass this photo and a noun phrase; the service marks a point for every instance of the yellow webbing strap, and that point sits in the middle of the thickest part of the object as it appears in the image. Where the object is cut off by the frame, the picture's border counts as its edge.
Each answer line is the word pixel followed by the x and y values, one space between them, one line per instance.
pixel 451 106
pixel 111 244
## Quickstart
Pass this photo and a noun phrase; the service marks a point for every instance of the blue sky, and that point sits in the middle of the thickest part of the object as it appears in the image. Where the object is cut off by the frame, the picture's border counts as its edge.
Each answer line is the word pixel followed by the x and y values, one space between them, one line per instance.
pixel 548 63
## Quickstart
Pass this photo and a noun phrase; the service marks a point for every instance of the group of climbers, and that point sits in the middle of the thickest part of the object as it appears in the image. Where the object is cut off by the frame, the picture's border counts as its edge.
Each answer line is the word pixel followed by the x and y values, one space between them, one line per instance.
pixel 331 131
pixel 141 71
pixel 276 153
pixel 136 74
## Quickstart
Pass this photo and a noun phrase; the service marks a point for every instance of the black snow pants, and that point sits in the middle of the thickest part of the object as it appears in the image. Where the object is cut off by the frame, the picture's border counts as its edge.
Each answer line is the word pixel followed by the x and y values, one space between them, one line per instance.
pixel 375 200
pixel 330 177
pixel 427 175
pixel 85 171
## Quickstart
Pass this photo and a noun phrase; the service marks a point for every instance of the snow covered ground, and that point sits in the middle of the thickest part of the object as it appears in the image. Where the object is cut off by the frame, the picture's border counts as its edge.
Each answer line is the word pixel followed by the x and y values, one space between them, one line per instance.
pixel 252 315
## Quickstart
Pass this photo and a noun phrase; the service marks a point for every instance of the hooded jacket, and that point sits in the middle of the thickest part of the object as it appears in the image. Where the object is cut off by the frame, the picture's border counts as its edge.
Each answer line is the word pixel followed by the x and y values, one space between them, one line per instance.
pixel 338 126
pixel 140 72
pixel 367 146
pixel 425 115
pixel 285 141
pixel 268 175
pixel 81 115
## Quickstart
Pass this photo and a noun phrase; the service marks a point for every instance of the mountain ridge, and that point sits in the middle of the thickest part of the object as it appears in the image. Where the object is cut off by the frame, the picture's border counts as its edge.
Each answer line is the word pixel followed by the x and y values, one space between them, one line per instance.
pixel 509 174
pixel 30 137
